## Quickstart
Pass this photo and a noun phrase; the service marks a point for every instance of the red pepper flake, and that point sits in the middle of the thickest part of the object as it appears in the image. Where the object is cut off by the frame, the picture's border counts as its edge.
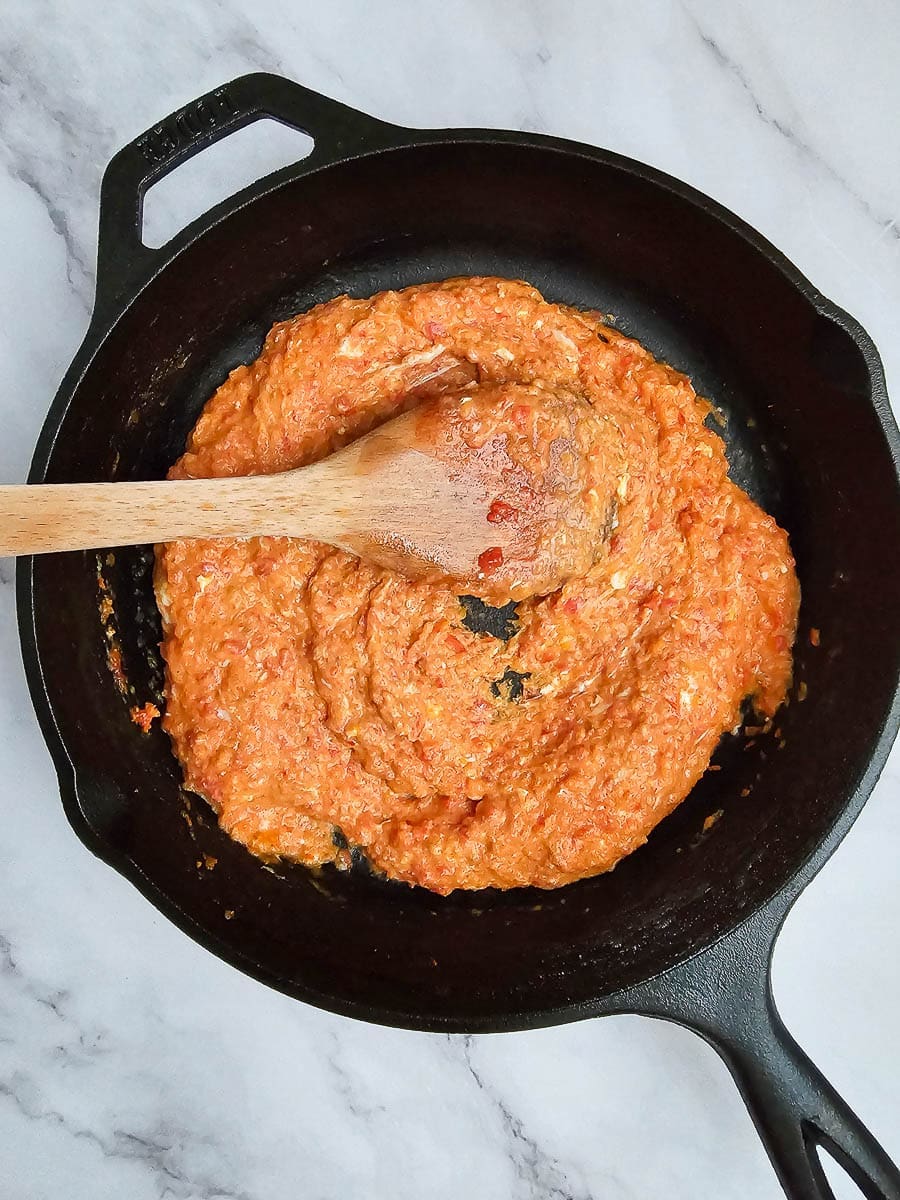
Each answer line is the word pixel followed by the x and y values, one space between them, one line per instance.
pixel 490 559
pixel 434 329
pixel 144 716
pixel 572 605
pixel 815 636
pixel 520 414
pixel 501 511
pixel 455 644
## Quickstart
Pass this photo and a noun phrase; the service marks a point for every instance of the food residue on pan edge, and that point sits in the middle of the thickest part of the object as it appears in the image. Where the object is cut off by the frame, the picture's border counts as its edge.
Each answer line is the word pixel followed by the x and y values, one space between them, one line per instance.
pixel 315 700
pixel 144 715
pixel 141 715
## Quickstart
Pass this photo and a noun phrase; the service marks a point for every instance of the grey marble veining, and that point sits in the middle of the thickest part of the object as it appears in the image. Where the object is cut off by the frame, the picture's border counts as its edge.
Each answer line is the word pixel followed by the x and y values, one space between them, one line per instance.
pixel 132 1063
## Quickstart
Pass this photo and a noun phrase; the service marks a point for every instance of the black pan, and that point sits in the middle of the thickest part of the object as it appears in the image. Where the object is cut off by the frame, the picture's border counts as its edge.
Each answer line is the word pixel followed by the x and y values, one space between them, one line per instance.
pixel 684 928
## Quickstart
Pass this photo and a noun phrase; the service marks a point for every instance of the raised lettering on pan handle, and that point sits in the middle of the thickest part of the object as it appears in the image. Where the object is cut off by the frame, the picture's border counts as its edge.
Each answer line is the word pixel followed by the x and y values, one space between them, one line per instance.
pixel 338 133
pixel 161 145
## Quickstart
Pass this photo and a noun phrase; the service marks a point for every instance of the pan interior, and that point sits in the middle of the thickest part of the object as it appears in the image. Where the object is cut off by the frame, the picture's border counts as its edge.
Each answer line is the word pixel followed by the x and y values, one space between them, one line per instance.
pixel 802 438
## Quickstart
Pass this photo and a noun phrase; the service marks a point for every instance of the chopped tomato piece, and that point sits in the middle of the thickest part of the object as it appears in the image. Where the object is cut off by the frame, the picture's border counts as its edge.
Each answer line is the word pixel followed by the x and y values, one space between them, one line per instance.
pixel 501 511
pixel 490 559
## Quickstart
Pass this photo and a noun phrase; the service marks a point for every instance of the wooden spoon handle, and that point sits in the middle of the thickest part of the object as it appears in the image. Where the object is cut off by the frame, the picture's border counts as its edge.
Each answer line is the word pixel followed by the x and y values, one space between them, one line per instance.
pixel 38 518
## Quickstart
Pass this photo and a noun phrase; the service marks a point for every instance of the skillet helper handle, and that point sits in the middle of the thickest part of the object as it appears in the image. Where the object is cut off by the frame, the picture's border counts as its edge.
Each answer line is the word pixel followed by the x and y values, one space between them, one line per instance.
pixel 338 132
pixel 725 995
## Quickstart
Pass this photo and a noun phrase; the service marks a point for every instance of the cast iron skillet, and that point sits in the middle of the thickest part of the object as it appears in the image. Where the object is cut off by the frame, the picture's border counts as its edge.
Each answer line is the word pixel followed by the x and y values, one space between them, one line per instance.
pixel 684 928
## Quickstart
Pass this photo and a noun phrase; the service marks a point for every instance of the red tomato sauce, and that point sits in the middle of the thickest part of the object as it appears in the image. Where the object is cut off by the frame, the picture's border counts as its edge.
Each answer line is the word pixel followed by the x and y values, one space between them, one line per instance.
pixel 317 701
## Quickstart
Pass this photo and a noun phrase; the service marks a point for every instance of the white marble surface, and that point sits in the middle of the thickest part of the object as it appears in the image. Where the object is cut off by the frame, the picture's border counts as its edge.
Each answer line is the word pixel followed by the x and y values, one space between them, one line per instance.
pixel 133 1064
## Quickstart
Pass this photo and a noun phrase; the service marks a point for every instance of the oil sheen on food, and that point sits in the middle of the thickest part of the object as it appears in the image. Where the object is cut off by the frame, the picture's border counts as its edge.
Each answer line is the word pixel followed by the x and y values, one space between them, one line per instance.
pixel 318 702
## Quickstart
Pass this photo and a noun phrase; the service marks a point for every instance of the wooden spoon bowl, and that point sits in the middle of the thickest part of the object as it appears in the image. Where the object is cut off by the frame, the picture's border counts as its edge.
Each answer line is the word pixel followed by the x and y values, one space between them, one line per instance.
pixel 507 489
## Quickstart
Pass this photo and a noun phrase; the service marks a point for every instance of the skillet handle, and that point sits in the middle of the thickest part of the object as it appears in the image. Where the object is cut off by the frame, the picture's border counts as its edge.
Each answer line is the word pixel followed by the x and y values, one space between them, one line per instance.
pixel 725 995
pixel 796 1109
pixel 338 132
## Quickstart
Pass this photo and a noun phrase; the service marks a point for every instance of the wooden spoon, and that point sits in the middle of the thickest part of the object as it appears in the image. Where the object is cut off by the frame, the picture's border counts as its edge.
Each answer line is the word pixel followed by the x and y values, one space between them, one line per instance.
pixel 445 490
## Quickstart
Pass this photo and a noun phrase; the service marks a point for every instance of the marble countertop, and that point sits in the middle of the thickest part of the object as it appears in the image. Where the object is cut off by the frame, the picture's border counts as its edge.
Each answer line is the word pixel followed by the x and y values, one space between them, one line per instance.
pixel 132 1063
